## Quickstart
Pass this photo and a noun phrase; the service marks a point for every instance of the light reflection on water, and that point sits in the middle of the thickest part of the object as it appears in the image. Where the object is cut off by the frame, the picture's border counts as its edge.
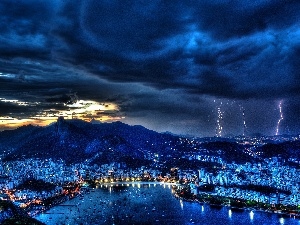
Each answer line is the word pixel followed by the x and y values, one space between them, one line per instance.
pixel 149 204
pixel 251 215
pixel 281 220
pixel 181 203
pixel 229 213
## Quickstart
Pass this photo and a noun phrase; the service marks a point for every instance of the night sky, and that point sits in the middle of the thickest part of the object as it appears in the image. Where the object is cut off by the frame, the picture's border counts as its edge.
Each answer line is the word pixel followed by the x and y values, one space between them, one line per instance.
pixel 167 65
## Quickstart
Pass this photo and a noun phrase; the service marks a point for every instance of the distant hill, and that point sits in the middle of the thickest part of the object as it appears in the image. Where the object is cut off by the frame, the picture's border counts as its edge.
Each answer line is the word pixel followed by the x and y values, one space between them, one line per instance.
pixel 76 141
pixel 229 151
pixel 12 139
pixel 289 149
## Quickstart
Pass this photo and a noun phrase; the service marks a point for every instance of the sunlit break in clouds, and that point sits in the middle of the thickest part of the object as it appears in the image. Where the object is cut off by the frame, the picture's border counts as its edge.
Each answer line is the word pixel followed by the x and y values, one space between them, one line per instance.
pixel 81 109
pixel 85 110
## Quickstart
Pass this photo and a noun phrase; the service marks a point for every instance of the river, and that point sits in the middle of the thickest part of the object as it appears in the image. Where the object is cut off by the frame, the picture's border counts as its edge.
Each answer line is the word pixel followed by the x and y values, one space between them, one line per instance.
pixel 147 204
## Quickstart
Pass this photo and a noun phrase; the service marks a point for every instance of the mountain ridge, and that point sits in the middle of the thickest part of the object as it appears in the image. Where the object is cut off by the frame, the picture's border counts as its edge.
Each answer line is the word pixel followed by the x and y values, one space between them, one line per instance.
pixel 75 141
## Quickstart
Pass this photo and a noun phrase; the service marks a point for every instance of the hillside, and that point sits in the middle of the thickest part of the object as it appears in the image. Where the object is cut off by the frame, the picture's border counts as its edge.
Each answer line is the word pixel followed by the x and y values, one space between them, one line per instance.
pixel 76 141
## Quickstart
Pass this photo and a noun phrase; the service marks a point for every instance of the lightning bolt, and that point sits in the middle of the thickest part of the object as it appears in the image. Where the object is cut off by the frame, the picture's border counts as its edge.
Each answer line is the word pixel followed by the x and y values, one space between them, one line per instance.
pixel 281 117
pixel 219 127
pixel 244 120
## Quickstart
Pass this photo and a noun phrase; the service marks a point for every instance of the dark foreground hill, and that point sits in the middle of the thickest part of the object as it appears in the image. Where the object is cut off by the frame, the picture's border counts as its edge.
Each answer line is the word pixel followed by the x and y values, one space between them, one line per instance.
pixel 11 214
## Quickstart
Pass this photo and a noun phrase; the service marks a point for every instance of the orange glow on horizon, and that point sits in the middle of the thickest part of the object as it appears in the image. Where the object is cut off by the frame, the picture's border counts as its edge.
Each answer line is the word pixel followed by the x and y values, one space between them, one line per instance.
pixel 82 109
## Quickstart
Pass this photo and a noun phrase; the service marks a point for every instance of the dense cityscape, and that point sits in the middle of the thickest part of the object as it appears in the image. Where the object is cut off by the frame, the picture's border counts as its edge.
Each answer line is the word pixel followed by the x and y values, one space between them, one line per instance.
pixel 197 173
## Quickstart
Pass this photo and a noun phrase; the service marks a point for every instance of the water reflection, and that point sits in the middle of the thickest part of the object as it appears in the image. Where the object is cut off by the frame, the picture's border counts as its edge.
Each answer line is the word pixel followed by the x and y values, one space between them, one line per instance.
pixel 251 215
pixel 229 213
pixel 181 204
pixel 155 205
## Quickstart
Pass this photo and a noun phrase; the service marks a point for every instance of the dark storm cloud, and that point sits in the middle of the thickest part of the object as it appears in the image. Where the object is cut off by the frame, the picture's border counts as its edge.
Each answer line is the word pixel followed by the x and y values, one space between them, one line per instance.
pixel 204 48
pixel 8 107
pixel 171 111
pixel 25 28
pixel 222 49
pixel 227 19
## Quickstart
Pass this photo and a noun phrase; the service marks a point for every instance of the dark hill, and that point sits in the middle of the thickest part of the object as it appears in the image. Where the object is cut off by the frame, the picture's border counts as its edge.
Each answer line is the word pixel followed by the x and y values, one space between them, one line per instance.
pixel 75 141
pixel 11 214
pixel 284 150
pixel 12 139
pixel 229 151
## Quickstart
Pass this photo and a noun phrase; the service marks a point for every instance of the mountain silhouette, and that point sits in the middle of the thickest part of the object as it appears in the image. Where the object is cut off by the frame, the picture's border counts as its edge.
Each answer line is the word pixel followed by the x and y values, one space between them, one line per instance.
pixel 76 140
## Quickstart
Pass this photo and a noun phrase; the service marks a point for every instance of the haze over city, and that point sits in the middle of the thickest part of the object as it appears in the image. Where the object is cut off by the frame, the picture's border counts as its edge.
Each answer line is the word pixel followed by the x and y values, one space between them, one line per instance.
pixel 204 68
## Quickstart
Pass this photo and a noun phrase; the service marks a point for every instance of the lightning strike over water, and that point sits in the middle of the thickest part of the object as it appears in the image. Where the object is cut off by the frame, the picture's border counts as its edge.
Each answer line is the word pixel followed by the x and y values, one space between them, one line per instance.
pixel 280 119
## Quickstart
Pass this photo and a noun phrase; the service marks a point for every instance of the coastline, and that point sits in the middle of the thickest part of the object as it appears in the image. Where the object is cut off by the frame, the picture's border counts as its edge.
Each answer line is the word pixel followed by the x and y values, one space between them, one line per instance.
pixel 86 189
pixel 241 209
pixel 132 196
pixel 63 199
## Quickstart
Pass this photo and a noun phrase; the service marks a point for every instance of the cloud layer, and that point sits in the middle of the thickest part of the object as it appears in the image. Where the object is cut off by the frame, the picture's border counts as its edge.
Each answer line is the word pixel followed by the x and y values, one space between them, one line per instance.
pixel 154 58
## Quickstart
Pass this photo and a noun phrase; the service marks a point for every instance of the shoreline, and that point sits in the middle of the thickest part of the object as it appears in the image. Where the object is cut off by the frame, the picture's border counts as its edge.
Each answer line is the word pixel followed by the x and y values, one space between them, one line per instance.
pixel 87 189
pixel 66 198
pixel 275 212
pixel 139 182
